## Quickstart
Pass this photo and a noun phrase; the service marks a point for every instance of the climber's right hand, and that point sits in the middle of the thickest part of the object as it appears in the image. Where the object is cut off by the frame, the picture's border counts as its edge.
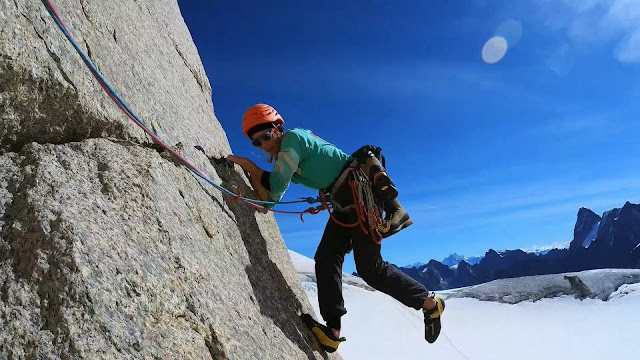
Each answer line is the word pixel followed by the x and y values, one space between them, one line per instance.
pixel 237 160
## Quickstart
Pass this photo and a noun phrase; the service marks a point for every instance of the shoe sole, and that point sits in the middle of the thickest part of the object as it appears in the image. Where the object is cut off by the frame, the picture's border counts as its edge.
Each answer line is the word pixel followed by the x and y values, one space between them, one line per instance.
pixel 385 188
pixel 404 225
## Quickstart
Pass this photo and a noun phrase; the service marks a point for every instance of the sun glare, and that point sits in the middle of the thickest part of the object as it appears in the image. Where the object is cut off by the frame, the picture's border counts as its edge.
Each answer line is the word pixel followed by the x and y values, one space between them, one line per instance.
pixel 494 49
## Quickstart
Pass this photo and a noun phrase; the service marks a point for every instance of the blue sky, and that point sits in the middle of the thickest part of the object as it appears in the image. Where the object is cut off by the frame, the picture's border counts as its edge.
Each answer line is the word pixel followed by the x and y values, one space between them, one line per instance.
pixel 486 155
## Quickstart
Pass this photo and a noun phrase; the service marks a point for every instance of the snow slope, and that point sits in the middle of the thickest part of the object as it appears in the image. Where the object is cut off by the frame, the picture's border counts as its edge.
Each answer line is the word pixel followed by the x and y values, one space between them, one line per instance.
pixel 378 327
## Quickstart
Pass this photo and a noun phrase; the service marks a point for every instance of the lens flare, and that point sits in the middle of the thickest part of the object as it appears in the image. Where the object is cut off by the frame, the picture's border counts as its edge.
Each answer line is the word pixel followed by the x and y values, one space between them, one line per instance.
pixel 494 50
pixel 511 31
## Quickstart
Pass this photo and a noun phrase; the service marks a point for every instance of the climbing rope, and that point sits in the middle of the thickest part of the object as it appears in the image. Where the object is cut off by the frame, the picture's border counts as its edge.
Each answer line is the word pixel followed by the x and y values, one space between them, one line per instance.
pixel 454 347
pixel 366 208
pixel 257 204
pixel 367 212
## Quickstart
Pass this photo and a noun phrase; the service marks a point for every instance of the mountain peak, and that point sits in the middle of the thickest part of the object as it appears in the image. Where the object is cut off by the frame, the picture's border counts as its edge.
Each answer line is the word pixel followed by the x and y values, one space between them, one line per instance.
pixel 586 228
pixel 452 259
pixel 455 258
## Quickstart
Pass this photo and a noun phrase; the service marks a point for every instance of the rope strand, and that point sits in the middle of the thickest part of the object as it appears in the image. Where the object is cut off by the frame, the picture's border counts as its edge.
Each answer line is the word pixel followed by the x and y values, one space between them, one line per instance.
pixel 257 204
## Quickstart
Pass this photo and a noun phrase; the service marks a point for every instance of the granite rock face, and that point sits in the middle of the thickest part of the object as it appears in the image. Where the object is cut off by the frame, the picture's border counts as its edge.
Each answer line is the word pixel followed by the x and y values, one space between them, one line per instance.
pixel 108 248
pixel 142 47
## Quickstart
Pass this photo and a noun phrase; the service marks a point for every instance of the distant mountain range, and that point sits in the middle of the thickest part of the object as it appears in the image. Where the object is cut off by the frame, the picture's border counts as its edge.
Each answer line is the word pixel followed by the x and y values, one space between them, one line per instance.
pixel 451 260
pixel 608 241
pixel 454 259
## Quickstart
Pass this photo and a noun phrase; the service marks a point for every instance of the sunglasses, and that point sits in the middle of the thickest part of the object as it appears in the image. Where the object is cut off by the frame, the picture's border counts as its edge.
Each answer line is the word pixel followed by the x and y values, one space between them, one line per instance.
pixel 264 137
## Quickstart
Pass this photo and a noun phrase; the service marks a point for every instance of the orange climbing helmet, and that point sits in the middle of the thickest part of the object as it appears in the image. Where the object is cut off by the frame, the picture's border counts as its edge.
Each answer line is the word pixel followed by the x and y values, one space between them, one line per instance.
pixel 260 114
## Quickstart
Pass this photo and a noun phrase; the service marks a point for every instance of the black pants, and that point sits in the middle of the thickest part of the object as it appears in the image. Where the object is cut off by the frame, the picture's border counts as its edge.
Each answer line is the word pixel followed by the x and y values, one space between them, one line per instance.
pixel 379 274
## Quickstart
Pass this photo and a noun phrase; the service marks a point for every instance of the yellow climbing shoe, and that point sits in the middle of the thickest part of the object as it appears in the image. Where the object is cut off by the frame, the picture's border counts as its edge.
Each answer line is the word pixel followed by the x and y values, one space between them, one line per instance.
pixel 323 334
pixel 432 325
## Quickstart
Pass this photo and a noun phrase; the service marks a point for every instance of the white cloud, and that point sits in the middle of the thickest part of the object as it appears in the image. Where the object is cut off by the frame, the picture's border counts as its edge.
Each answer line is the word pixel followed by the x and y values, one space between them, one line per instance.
pixel 428 207
pixel 582 5
pixel 561 60
pixel 628 50
pixel 599 124
pixel 623 14
pixel 540 199
pixel 588 22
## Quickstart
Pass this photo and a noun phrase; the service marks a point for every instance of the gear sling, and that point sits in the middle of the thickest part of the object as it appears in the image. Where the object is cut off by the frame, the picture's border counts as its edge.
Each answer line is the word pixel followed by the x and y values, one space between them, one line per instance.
pixel 371 189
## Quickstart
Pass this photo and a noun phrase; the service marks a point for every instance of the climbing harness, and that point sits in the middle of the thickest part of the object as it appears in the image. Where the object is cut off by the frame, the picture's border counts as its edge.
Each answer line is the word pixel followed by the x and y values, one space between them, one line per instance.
pixel 256 204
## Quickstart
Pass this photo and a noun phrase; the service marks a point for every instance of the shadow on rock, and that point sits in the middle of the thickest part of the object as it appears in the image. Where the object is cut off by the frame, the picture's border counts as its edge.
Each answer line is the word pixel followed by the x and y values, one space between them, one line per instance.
pixel 273 294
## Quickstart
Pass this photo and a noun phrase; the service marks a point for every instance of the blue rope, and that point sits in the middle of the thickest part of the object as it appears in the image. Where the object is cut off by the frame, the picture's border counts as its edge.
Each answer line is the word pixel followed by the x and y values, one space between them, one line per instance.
pixel 134 117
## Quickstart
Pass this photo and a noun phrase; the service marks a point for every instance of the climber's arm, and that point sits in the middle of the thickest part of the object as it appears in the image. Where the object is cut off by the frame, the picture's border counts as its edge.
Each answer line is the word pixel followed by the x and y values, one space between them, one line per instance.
pixel 254 173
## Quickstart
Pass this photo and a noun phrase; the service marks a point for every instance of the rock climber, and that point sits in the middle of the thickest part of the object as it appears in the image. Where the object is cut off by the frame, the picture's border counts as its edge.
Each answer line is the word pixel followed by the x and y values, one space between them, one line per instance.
pixel 301 157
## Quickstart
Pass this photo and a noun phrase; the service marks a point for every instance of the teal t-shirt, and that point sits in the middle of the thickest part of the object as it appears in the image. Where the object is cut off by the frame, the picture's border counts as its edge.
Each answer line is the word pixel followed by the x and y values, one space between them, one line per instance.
pixel 305 159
